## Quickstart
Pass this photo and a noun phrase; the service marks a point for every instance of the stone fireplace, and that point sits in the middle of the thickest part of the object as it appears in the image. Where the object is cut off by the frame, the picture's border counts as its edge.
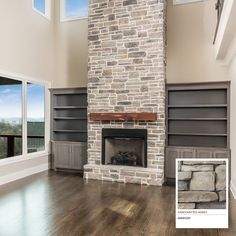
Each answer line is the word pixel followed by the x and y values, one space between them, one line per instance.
pixel 126 76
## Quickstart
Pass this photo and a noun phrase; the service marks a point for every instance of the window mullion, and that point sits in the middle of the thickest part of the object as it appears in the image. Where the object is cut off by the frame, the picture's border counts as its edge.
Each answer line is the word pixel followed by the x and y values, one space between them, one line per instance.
pixel 24 117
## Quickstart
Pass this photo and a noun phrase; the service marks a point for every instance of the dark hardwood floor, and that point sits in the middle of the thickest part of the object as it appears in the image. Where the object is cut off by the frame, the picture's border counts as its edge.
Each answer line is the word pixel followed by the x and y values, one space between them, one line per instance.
pixel 66 205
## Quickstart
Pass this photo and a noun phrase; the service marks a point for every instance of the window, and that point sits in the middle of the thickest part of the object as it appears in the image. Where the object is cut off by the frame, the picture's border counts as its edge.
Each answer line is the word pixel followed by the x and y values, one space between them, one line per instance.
pixel 22 118
pixel 74 9
pixel 35 118
pixel 10 118
pixel 42 7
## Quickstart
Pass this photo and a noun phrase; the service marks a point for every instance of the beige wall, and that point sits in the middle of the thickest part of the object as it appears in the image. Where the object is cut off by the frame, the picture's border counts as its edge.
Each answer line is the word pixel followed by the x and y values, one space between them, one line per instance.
pixel 190 51
pixel 45 50
pixel 26 45
pixel 71 41
pixel 232 77
pixel 26 48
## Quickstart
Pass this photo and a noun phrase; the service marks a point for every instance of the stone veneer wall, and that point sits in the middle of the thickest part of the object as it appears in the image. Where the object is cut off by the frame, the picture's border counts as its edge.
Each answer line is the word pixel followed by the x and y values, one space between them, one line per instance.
pixel 202 185
pixel 127 74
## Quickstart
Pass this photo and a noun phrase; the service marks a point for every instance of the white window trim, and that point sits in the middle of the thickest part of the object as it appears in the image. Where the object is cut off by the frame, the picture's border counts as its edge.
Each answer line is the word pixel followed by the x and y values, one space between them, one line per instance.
pixel 47 14
pixel 25 155
pixel 63 17
pixel 177 2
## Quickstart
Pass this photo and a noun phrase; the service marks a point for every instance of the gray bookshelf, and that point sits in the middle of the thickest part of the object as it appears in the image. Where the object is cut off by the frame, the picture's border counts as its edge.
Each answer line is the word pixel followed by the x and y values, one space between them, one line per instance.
pixel 197 122
pixel 69 127
pixel 198 115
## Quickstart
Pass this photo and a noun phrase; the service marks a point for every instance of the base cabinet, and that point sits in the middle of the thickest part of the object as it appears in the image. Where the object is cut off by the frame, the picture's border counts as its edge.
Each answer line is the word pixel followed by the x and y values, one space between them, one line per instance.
pixel 172 153
pixel 69 155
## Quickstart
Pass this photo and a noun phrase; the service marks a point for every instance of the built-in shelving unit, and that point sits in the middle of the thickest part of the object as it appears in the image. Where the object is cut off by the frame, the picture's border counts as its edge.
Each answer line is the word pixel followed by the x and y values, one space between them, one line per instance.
pixel 197 115
pixel 69 128
pixel 197 123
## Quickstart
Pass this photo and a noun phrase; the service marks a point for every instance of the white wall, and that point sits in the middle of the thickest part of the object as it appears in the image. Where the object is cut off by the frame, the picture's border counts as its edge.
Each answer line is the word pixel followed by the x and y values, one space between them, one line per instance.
pixel 190 49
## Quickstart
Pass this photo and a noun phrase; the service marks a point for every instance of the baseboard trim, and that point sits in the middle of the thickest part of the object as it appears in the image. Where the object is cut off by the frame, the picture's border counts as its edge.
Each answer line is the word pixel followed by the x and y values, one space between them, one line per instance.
pixel 233 189
pixel 24 173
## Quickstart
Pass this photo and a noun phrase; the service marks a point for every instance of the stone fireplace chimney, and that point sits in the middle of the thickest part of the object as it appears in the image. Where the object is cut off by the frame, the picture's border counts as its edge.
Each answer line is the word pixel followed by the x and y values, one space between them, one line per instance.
pixel 127 75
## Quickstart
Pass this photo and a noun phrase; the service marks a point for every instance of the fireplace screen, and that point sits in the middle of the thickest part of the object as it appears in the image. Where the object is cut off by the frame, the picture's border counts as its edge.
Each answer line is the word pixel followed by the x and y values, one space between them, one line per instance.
pixel 127 147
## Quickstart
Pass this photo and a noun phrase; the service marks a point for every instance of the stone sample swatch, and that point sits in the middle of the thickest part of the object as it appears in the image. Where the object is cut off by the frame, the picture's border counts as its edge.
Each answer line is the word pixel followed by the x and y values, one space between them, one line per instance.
pixel 202 184
pixel 184 175
pixel 197 168
pixel 186 206
pixel 197 196
pixel 203 181
pixel 220 177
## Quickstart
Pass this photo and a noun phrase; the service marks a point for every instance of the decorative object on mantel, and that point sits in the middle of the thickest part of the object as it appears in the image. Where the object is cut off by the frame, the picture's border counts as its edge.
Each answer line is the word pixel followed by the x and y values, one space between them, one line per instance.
pixel 136 116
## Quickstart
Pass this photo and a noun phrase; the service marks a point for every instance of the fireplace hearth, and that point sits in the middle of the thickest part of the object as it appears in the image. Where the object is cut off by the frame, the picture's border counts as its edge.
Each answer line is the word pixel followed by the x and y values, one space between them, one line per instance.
pixel 126 147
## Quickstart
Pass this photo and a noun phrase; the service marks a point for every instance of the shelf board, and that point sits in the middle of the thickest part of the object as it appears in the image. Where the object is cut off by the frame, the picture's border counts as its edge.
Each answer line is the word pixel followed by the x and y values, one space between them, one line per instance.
pixel 70 118
pixel 70 131
pixel 70 107
pixel 197 134
pixel 198 106
pixel 198 119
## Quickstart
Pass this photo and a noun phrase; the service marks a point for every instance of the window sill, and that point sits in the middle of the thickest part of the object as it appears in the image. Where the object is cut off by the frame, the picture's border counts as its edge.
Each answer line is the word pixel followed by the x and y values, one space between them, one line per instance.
pixel 73 19
pixel 21 158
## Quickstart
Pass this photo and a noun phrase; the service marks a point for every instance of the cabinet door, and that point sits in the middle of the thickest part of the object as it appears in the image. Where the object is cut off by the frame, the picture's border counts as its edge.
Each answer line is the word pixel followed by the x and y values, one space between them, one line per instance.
pixel 78 156
pixel 62 155
pixel 171 155
pixel 221 154
pixel 187 153
pixel 204 153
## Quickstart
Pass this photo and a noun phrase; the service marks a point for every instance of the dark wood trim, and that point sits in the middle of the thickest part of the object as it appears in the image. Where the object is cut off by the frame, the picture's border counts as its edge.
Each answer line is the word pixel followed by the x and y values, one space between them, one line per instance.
pixel 136 116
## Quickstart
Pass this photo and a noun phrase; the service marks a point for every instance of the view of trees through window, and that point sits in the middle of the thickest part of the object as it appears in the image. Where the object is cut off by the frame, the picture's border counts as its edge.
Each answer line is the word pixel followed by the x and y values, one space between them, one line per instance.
pixel 35 118
pixel 11 119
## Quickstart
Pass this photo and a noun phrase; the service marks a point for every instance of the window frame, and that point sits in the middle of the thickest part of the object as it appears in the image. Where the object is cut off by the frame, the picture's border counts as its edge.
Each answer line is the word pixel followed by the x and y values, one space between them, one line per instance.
pixel 176 2
pixel 47 14
pixel 25 155
pixel 63 17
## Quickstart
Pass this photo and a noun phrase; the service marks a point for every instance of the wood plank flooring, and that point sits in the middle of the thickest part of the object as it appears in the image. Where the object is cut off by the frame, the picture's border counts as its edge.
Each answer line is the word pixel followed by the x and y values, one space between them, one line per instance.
pixel 66 205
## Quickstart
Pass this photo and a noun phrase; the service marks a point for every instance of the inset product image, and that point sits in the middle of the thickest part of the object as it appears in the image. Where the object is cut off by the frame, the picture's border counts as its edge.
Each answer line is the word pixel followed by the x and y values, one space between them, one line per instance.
pixel 201 184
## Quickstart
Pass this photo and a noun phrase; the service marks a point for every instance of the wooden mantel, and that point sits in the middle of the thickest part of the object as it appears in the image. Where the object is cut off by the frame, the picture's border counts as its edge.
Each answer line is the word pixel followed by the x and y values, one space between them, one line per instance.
pixel 135 116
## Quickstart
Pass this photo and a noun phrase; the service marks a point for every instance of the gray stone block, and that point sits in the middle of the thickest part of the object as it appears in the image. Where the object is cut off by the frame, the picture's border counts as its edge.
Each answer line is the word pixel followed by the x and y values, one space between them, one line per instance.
pixel 211 205
pixel 222 196
pixel 186 206
pixel 220 177
pixel 203 181
pixel 197 196
pixel 182 185
pixel 203 162
pixel 184 175
pixel 197 168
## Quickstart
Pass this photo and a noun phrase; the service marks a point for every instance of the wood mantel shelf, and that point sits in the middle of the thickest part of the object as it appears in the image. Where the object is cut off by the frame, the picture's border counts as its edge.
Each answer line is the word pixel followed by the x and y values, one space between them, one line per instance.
pixel 135 116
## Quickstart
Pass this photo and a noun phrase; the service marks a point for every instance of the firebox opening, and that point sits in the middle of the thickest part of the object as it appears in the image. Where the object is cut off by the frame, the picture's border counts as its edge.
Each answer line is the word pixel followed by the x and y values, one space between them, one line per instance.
pixel 127 147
